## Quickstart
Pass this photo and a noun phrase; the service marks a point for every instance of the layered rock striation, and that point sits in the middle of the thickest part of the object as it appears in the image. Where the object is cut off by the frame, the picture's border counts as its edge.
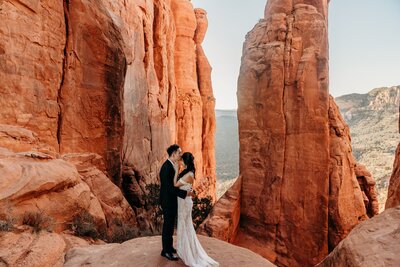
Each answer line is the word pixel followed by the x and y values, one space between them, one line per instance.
pixel 284 133
pixel 207 96
pixel 121 80
pixel 59 188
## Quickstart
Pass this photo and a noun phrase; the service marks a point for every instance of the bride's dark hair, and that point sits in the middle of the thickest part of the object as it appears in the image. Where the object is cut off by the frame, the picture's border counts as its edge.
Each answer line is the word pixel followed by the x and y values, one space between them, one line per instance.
pixel 188 159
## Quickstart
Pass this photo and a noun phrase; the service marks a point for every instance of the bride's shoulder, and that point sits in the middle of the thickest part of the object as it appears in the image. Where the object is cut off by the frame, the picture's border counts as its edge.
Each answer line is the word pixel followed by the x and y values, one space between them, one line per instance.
pixel 190 177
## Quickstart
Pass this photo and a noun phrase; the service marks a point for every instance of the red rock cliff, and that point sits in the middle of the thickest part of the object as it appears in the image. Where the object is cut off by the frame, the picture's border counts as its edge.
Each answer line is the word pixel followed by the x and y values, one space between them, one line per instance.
pixel 300 194
pixel 194 101
pixel 393 199
pixel 284 132
pixel 352 195
pixel 207 96
pixel 115 78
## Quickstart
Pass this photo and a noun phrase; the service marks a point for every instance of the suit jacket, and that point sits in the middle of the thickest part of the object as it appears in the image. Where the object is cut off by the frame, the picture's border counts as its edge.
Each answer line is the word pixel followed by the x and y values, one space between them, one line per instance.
pixel 168 192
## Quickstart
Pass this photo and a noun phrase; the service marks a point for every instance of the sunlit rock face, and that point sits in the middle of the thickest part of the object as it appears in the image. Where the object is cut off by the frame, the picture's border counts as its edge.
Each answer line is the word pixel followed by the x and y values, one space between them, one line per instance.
pixel 207 97
pixel 300 195
pixel 393 199
pixel 284 133
pixel 121 79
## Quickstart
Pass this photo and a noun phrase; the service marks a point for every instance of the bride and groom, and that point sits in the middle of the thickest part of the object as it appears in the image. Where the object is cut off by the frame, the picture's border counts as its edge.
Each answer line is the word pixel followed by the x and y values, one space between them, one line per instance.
pixel 176 201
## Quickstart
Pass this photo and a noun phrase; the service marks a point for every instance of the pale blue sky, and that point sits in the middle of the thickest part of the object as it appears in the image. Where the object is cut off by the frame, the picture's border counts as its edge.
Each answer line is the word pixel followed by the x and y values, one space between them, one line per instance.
pixel 364 38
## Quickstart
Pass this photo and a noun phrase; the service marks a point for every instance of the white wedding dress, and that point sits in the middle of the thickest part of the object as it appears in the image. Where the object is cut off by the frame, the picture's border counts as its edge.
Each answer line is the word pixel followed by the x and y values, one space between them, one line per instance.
pixel 188 246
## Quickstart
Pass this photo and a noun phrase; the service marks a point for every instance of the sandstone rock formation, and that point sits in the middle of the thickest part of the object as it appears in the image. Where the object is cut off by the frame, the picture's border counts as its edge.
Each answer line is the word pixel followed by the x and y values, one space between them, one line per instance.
pixel 300 194
pixel 37 250
pixel 283 131
pixel 223 221
pixel 393 198
pixel 346 202
pixel 367 185
pixel 45 249
pixel 373 120
pixel 146 252
pixel 195 103
pixel 31 65
pixel 113 204
pixel 37 182
pixel 372 243
pixel 109 78
pixel 189 104
pixel 208 101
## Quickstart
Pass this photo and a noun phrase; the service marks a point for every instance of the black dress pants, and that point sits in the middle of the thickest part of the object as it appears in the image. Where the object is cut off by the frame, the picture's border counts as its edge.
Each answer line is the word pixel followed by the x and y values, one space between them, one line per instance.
pixel 169 215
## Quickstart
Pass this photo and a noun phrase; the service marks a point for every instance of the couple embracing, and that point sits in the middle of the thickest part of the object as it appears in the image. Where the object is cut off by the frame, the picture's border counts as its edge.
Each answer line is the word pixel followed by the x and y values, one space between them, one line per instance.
pixel 176 201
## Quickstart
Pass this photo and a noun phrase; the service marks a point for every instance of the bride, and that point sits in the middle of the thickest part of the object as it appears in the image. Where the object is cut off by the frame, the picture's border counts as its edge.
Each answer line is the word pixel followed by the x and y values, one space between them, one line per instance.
pixel 188 247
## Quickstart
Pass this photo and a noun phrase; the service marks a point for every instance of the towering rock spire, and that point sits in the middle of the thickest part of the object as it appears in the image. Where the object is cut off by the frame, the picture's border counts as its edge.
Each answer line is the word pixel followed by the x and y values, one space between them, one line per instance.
pixel 284 133
pixel 195 101
pixel 299 191
pixel 207 97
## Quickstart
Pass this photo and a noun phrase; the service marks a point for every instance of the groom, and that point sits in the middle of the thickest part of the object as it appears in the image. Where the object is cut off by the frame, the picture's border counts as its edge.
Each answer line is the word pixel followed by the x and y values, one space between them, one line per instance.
pixel 169 201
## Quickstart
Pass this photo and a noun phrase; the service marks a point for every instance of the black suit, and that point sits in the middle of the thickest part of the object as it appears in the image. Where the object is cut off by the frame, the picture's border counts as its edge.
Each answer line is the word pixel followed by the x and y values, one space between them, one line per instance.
pixel 169 203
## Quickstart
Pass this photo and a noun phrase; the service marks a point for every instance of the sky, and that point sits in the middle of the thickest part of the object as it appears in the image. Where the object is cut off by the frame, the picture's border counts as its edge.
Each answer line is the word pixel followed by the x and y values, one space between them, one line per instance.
pixel 364 44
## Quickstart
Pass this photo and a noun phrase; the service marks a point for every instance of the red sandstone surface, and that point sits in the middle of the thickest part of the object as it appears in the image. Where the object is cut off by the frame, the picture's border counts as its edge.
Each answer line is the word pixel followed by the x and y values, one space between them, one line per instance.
pixel 300 195
pixel 119 80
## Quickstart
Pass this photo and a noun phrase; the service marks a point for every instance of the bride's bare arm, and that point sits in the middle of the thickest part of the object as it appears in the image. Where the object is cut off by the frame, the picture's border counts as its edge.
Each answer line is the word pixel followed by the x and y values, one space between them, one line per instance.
pixel 176 182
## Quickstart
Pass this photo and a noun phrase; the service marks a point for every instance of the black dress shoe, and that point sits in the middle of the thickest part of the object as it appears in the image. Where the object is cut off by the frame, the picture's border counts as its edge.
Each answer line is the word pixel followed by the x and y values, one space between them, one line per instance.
pixel 169 256
pixel 173 250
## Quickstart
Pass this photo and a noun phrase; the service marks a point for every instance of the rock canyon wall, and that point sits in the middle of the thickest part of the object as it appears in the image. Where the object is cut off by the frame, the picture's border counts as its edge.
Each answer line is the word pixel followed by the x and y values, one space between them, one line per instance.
pixel 393 197
pixel 121 80
pixel 299 190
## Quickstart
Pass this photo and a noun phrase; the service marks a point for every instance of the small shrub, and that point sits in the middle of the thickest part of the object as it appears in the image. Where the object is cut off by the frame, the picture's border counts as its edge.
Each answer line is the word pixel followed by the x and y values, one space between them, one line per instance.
pixel 6 218
pixel 201 209
pixel 152 197
pixel 84 224
pixel 201 206
pixel 6 225
pixel 38 221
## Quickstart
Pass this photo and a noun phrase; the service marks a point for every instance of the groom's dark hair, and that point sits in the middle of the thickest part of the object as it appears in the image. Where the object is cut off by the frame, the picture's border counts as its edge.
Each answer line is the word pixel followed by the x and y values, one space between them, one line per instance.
pixel 172 149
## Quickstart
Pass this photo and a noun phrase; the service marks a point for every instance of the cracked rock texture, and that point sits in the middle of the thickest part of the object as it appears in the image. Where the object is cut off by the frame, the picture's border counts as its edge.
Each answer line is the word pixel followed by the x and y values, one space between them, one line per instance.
pixel 284 133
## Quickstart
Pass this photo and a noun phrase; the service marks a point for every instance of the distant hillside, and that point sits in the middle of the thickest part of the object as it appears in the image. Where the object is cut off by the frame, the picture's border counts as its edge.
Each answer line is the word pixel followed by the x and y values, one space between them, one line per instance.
pixel 227 145
pixel 373 120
